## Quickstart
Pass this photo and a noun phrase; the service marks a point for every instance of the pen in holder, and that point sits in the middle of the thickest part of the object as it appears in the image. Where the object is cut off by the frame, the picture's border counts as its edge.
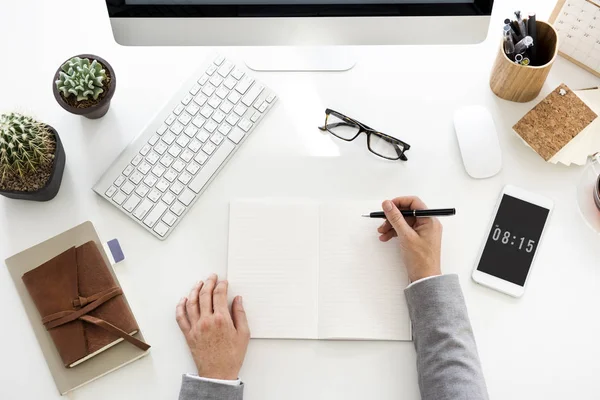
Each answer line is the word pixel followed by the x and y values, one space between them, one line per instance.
pixel 522 83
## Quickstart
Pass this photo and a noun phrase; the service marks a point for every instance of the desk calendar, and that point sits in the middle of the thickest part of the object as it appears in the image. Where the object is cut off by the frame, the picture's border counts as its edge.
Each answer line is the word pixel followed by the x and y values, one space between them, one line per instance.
pixel 578 25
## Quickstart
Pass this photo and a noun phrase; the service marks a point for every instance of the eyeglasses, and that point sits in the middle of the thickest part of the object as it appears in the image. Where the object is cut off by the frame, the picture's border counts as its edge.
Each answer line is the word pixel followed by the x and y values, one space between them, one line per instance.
pixel 378 143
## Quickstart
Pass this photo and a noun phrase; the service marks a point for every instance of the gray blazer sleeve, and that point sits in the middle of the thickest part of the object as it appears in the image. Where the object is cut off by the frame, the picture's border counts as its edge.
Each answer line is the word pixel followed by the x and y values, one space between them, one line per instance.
pixel 447 361
pixel 196 389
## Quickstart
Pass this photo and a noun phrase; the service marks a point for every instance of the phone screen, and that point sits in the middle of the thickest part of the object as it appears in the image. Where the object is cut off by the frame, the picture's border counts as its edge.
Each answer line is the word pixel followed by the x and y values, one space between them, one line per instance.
pixel 513 240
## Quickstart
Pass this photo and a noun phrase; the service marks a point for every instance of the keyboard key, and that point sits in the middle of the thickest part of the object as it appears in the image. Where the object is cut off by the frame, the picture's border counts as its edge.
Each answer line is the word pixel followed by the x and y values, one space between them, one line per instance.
pixel 111 190
pixel 187 197
pixel 162 129
pixel 230 83
pixel 162 185
pixel 177 208
pixel 168 138
pixel 234 97
pixel 141 210
pixel 152 158
pixel 263 107
pixel 245 125
pixel 240 110
pixel 161 229
pixel 195 89
pixel 209 169
pixel 193 168
pixel 216 138
pixel 219 60
pixel 225 129
pixel 216 80
pixel 203 79
pixel 169 198
pixel 186 100
pixel 208 90
pixel 202 135
pixel 201 158
pixel 214 102
pixel 150 180
pixel 177 128
pixel 270 98
pixel 218 116
pixel 225 69
pixel 170 119
pixel 237 73
pixel 184 118
pixel 167 160
pixel 152 141
pixel 255 117
pixel 193 109
pixel 187 155
pixel 142 190
pixel 119 181
pixel 145 149
pixel 198 121
pixel 244 84
pixel 170 175
pixel 154 195
pixel 144 167
pixel 136 177
pixel 178 109
pixel 177 187
pixel 226 106
pixel 211 70
pixel 131 203
pixel 169 219
pixel 185 178
pixel 155 214
pixel 175 150
pixel 178 165
pixel 232 119
pixel 158 170
pixel 182 140
pixel 128 170
pixel 211 126
pixel 190 131
pixel 200 100
pixel 236 135
pixel 137 159
pixel 206 112
pixel 222 92
pixel 161 147
pixel 209 148
pixel 119 198
pixel 252 94
pixel 195 145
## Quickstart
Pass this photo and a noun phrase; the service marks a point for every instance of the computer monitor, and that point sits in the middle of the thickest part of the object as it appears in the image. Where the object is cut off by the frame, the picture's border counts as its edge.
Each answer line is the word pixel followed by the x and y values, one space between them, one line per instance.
pixel 317 24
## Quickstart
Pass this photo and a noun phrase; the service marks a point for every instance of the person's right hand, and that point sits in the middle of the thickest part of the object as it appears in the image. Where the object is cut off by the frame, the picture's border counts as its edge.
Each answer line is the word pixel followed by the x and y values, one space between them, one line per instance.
pixel 420 239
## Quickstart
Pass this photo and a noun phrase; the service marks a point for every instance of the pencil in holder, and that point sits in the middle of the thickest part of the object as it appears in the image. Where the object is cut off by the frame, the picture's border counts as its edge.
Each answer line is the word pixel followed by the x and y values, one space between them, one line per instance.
pixel 523 83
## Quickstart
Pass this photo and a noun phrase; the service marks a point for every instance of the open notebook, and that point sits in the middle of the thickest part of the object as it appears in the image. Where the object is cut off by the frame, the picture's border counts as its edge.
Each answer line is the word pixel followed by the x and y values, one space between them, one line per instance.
pixel 310 270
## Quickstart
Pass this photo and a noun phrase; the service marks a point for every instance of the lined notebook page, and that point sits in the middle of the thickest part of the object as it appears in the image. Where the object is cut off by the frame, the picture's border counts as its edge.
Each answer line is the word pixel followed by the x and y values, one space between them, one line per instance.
pixel 361 280
pixel 273 264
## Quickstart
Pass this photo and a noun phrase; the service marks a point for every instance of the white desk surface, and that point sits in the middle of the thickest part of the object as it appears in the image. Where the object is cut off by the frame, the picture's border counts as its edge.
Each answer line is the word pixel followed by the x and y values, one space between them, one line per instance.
pixel 542 346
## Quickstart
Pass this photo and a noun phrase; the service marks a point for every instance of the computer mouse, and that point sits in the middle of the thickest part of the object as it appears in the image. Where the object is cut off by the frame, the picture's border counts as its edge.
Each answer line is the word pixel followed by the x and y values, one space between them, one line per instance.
pixel 478 141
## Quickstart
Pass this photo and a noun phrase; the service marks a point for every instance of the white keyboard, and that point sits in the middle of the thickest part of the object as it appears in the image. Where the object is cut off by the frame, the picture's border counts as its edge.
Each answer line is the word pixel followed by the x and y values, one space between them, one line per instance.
pixel 160 175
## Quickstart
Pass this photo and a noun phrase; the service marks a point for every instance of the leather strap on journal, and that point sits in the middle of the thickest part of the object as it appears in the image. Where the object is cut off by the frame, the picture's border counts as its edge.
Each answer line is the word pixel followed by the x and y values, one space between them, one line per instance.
pixel 90 304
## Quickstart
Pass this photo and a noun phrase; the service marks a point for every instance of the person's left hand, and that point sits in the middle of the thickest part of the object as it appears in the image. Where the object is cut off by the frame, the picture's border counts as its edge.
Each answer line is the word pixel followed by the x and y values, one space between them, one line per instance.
pixel 217 338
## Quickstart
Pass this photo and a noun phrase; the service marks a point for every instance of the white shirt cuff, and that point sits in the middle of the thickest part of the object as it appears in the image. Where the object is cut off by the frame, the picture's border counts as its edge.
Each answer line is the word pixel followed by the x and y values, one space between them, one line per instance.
pixel 422 280
pixel 237 382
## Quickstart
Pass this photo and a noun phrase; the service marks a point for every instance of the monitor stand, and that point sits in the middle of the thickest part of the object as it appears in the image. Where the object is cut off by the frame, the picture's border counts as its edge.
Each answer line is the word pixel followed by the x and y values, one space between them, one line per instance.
pixel 330 58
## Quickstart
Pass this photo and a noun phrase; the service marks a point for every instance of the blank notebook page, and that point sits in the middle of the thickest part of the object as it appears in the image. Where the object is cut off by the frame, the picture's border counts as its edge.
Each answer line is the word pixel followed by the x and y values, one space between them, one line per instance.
pixel 361 280
pixel 273 263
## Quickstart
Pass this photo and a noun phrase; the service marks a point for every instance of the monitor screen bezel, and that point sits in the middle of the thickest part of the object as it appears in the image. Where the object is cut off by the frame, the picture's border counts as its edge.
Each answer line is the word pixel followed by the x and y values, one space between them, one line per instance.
pixel 118 9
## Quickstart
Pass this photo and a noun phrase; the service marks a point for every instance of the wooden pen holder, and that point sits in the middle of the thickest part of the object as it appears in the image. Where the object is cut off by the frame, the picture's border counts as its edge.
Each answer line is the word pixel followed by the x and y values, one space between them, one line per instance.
pixel 522 83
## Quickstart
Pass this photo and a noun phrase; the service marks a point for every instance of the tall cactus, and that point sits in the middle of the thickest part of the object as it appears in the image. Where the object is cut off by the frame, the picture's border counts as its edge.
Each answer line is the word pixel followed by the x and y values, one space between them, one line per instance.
pixel 25 145
pixel 81 78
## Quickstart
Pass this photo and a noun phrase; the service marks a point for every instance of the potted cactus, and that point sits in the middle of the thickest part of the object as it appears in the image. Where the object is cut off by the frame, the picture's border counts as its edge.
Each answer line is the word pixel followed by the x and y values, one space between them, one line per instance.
pixel 32 158
pixel 84 85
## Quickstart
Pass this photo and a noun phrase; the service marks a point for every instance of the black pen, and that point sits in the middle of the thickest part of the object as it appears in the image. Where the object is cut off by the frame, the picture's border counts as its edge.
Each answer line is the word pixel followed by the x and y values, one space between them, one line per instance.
pixel 416 213
pixel 532 31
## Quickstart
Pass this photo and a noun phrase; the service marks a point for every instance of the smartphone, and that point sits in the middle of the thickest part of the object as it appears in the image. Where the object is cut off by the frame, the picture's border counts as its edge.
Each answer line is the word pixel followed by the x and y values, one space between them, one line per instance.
pixel 507 255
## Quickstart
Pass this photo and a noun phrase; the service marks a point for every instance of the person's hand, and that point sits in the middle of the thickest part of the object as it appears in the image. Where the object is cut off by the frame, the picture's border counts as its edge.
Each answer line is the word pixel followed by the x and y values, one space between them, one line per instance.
pixel 420 239
pixel 217 338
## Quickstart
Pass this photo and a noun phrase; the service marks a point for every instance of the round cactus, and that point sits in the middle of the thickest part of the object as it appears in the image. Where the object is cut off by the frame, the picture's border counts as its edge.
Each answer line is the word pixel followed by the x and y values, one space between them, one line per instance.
pixel 25 145
pixel 81 78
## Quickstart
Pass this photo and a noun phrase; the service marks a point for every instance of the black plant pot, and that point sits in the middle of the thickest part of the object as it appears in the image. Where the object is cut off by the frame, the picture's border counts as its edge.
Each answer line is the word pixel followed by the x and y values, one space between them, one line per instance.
pixel 97 110
pixel 49 191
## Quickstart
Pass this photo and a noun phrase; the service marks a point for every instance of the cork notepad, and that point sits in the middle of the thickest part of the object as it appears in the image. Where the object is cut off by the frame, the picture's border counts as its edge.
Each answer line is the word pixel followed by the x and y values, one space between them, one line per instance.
pixel 554 122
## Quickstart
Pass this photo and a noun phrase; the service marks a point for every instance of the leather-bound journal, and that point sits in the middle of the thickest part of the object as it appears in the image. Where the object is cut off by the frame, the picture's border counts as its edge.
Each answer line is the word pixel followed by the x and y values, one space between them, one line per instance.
pixel 81 305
